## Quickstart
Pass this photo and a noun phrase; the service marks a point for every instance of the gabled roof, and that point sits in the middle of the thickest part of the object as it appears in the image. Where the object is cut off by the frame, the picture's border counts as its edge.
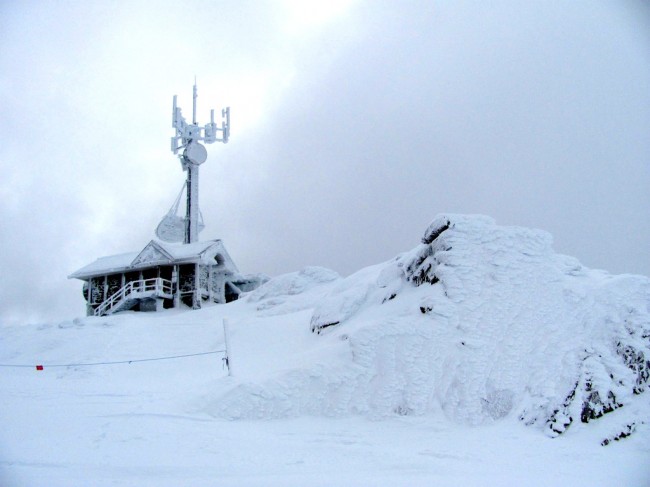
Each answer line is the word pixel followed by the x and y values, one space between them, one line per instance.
pixel 153 253
pixel 157 253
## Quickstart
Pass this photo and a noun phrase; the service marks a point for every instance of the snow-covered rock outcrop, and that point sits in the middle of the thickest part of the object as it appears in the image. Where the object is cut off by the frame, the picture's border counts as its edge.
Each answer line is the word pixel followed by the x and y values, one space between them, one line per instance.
pixel 480 321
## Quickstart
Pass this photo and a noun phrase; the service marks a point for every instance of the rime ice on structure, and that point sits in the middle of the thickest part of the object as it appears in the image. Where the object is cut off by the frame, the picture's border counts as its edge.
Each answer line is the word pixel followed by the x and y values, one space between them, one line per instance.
pixel 178 270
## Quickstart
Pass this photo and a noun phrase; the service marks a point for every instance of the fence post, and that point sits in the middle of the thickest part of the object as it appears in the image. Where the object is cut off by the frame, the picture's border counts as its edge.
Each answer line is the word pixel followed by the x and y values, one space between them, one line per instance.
pixel 225 339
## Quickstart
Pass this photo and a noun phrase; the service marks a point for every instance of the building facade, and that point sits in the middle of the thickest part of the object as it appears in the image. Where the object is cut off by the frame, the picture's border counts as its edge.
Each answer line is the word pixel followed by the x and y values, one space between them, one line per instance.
pixel 163 275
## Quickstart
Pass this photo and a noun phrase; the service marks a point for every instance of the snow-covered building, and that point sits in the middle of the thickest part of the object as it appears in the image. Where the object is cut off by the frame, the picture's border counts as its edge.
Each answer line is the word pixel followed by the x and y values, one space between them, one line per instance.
pixel 167 273
pixel 163 275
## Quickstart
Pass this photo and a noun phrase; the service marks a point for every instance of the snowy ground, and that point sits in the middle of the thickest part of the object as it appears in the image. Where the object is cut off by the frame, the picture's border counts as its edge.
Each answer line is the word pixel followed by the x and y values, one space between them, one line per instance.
pixel 478 358
pixel 147 423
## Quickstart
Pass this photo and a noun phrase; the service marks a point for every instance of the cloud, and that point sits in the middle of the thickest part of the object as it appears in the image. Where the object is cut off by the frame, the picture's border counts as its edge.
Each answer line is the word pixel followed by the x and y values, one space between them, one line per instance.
pixel 348 136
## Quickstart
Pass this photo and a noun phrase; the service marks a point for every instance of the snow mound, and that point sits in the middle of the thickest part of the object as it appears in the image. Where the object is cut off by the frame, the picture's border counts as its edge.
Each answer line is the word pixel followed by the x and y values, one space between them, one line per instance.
pixel 274 296
pixel 293 283
pixel 480 321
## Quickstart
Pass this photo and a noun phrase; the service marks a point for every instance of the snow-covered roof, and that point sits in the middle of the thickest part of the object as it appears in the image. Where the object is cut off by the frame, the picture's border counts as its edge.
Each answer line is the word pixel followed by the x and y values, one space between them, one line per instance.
pixel 157 253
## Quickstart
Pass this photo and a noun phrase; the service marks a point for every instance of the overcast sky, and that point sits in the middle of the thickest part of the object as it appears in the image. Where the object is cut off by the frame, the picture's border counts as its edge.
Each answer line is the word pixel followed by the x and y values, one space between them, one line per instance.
pixel 353 124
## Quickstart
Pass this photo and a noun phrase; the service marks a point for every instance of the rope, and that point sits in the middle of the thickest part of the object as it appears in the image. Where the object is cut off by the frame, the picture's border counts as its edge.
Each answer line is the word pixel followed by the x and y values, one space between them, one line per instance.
pixel 174 209
pixel 171 357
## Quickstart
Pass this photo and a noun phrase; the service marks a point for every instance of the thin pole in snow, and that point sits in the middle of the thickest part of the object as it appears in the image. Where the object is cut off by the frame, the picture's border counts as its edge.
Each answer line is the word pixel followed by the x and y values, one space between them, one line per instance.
pixel 225 339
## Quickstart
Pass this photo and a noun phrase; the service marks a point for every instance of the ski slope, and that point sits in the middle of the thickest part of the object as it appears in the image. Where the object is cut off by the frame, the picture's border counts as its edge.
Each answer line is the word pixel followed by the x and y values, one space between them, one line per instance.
pixel 480 357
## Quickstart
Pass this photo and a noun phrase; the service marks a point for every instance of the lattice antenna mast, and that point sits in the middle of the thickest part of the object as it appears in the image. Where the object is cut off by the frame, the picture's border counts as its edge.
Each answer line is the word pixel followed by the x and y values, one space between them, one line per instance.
pixel 194 154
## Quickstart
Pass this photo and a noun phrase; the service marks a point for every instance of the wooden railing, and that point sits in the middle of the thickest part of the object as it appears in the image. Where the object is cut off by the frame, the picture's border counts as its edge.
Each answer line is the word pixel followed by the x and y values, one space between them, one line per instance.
pixel 157 286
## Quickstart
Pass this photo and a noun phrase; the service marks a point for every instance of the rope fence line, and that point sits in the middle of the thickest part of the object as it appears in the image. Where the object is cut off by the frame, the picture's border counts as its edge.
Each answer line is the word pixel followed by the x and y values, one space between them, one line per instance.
pixel 116 362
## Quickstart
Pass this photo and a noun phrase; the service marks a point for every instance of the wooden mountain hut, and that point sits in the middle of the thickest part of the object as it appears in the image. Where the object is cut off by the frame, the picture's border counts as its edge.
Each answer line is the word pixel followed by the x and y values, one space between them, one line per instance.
pixel 163 275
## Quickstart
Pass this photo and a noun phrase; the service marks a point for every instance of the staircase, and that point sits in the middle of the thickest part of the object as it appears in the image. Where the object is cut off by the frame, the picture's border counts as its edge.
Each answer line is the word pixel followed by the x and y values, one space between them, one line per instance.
pixel 132 291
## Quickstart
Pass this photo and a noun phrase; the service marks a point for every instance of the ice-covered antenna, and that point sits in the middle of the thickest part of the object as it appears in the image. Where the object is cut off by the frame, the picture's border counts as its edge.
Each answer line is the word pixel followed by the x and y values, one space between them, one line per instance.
pixel 187 138
pixel 188 133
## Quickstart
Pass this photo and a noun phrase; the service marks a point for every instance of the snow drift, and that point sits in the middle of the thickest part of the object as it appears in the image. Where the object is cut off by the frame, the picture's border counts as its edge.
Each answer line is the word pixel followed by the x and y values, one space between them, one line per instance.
pixel 479 321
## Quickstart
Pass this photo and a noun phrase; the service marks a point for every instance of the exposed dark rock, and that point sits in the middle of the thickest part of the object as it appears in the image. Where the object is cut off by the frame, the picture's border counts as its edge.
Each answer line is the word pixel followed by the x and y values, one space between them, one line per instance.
pixel 422 265
pixel 403 410
pixel 560 420
pixel 629 429
pixel 321 327
pixel 594 407
pixel 421 268
pixel 636 361
pixel 434 230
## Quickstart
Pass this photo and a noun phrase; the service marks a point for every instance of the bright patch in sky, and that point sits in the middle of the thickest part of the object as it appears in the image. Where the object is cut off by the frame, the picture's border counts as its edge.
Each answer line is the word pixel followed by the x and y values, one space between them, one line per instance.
pixel 305 15
pixel 247 93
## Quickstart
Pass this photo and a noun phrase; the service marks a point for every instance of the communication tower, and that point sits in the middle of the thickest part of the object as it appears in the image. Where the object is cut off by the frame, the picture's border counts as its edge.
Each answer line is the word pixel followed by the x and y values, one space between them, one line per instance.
pixel 187 145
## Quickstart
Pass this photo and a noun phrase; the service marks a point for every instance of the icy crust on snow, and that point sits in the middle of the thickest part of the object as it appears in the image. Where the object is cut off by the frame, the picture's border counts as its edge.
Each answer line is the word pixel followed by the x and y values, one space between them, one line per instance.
pixel 480 321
